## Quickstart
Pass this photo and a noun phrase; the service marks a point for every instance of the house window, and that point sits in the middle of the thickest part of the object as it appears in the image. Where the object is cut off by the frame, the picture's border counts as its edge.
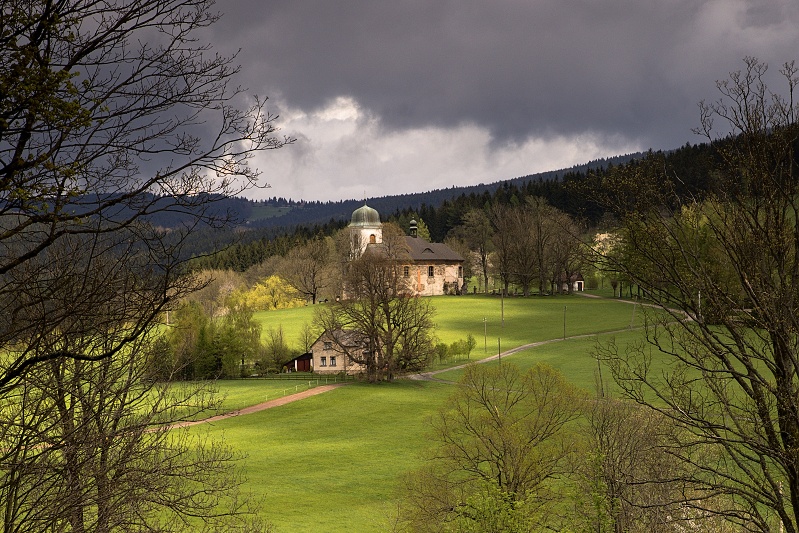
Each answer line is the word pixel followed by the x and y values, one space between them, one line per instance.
pixel 323 362
pixel 332 360
pixel 430 272
pixel 328 345
pixel 460 272
pixel 406 271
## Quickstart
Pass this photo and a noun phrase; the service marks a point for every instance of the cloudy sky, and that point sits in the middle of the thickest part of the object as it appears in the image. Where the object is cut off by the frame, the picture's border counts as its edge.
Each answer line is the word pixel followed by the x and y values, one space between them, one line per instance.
pixel 398 96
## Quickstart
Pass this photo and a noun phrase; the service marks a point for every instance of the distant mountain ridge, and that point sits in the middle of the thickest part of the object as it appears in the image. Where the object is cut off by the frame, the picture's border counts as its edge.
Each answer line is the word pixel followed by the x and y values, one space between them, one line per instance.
pixel 275 216
pixel 310 213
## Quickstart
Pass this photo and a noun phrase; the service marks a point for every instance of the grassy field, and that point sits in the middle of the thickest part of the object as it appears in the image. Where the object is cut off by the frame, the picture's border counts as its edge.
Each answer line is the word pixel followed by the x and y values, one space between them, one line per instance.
pixel 291 320
pixel 260 212
pixel 526 320
pixel 333 462
pixel 574 357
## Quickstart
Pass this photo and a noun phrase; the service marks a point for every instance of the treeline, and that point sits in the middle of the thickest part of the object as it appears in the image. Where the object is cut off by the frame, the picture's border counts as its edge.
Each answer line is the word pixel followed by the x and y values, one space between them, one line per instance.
pixel 213 333
pixel 580 193
pixel 241 250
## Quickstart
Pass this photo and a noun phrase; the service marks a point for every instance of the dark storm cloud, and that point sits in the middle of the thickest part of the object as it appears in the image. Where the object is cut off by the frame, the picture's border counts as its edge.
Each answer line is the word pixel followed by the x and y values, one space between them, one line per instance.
pixel 635 68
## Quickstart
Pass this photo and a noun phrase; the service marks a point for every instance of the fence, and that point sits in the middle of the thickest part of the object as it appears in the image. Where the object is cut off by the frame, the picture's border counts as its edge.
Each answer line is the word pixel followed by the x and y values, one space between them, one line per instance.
pixel 305 382
pixel 307 376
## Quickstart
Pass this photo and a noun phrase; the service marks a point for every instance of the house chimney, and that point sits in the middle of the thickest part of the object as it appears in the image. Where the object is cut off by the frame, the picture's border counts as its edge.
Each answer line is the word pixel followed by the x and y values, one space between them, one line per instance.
pixel 413 228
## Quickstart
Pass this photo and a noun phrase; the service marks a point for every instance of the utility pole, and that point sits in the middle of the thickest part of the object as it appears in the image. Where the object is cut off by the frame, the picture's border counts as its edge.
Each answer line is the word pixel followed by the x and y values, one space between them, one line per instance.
pixel 502 298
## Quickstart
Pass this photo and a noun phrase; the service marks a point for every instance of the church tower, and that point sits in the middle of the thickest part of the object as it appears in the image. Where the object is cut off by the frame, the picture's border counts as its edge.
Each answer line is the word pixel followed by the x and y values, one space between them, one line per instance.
pixel 365 228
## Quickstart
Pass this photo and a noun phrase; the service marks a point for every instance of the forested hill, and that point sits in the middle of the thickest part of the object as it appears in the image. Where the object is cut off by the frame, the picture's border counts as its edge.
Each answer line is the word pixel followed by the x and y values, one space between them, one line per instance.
pixel 279 215
pixel 288 214
pixel 277 224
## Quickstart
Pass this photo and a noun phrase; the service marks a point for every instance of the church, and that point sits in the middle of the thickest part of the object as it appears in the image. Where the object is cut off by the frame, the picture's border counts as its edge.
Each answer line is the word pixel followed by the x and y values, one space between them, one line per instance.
pixel 432 268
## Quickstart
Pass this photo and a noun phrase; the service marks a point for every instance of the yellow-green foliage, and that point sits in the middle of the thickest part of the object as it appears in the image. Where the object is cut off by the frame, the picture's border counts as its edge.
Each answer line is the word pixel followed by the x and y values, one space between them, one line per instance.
pixel 269 294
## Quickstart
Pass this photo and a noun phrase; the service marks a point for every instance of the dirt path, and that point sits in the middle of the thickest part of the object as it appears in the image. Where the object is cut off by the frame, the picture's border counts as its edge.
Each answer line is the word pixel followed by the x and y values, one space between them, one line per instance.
pixel 430 376
pixel 262 406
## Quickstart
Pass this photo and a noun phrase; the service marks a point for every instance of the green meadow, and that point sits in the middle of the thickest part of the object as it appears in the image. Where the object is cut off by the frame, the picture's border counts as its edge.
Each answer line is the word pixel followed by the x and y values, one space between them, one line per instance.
pixel 493 321
pixel 334 462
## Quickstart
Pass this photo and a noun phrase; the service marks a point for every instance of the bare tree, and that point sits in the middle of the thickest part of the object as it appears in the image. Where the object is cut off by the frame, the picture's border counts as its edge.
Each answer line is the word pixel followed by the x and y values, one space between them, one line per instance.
pixel 110 114
pixel 503 241
pixel 276 350
pixel 545 228
pixel 724 269
pixel 525 239
pixel 307 336
pixel 477 233
pixel 308 268
pixel 526 245
pixel 92 446
pixel 503 435
pixel 625 478
pixel 379 308
pixel 568 253
pixel 104 122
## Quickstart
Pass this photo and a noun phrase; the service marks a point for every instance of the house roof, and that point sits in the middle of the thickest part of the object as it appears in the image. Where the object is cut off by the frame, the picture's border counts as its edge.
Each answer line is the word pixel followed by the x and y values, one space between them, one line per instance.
pixel 347 338
pixel 423 251
pixel 305 356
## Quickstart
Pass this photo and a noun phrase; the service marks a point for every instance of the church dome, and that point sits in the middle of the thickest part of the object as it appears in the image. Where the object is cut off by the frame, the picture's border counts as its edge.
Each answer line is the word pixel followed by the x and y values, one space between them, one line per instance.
pixel 365 216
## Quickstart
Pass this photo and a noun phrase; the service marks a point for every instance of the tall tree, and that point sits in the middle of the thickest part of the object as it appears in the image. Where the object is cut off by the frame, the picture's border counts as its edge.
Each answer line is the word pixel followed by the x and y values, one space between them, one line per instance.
pixel 625 480
pixel 276 350
pixel 110 113
pixel 527 245
pixel 106 107
pixel 725 271
pixel 503 241
pixel 90 446
pixel 380 311
pixel 544 229
pixel 477 233
pixel 567 252
pixel 502 436
pixel 308 268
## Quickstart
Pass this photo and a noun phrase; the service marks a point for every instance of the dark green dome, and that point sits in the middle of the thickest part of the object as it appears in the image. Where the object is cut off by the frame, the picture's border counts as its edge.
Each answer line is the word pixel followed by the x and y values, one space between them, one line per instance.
pixel 365 216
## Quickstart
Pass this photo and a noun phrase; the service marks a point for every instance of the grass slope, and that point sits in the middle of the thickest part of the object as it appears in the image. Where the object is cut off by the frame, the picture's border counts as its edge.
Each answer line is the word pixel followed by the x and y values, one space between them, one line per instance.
pixel 334 462
pixel 526 320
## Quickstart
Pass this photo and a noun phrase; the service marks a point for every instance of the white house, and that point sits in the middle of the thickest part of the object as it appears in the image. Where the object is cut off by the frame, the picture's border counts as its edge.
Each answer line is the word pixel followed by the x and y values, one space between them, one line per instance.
pixel 329 353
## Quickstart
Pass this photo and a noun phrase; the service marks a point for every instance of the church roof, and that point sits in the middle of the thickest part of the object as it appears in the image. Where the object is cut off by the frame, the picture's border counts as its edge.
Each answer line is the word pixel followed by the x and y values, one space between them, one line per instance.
pixel 423 251
pixel 365 216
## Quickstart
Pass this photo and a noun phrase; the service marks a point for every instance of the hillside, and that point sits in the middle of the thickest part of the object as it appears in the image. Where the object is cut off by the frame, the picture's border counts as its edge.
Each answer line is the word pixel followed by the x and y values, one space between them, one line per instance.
pixel 299 213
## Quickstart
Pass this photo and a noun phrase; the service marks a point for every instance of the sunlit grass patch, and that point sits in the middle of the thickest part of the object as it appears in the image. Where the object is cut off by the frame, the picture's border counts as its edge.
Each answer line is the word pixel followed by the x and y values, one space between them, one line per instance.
pixel 333 462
